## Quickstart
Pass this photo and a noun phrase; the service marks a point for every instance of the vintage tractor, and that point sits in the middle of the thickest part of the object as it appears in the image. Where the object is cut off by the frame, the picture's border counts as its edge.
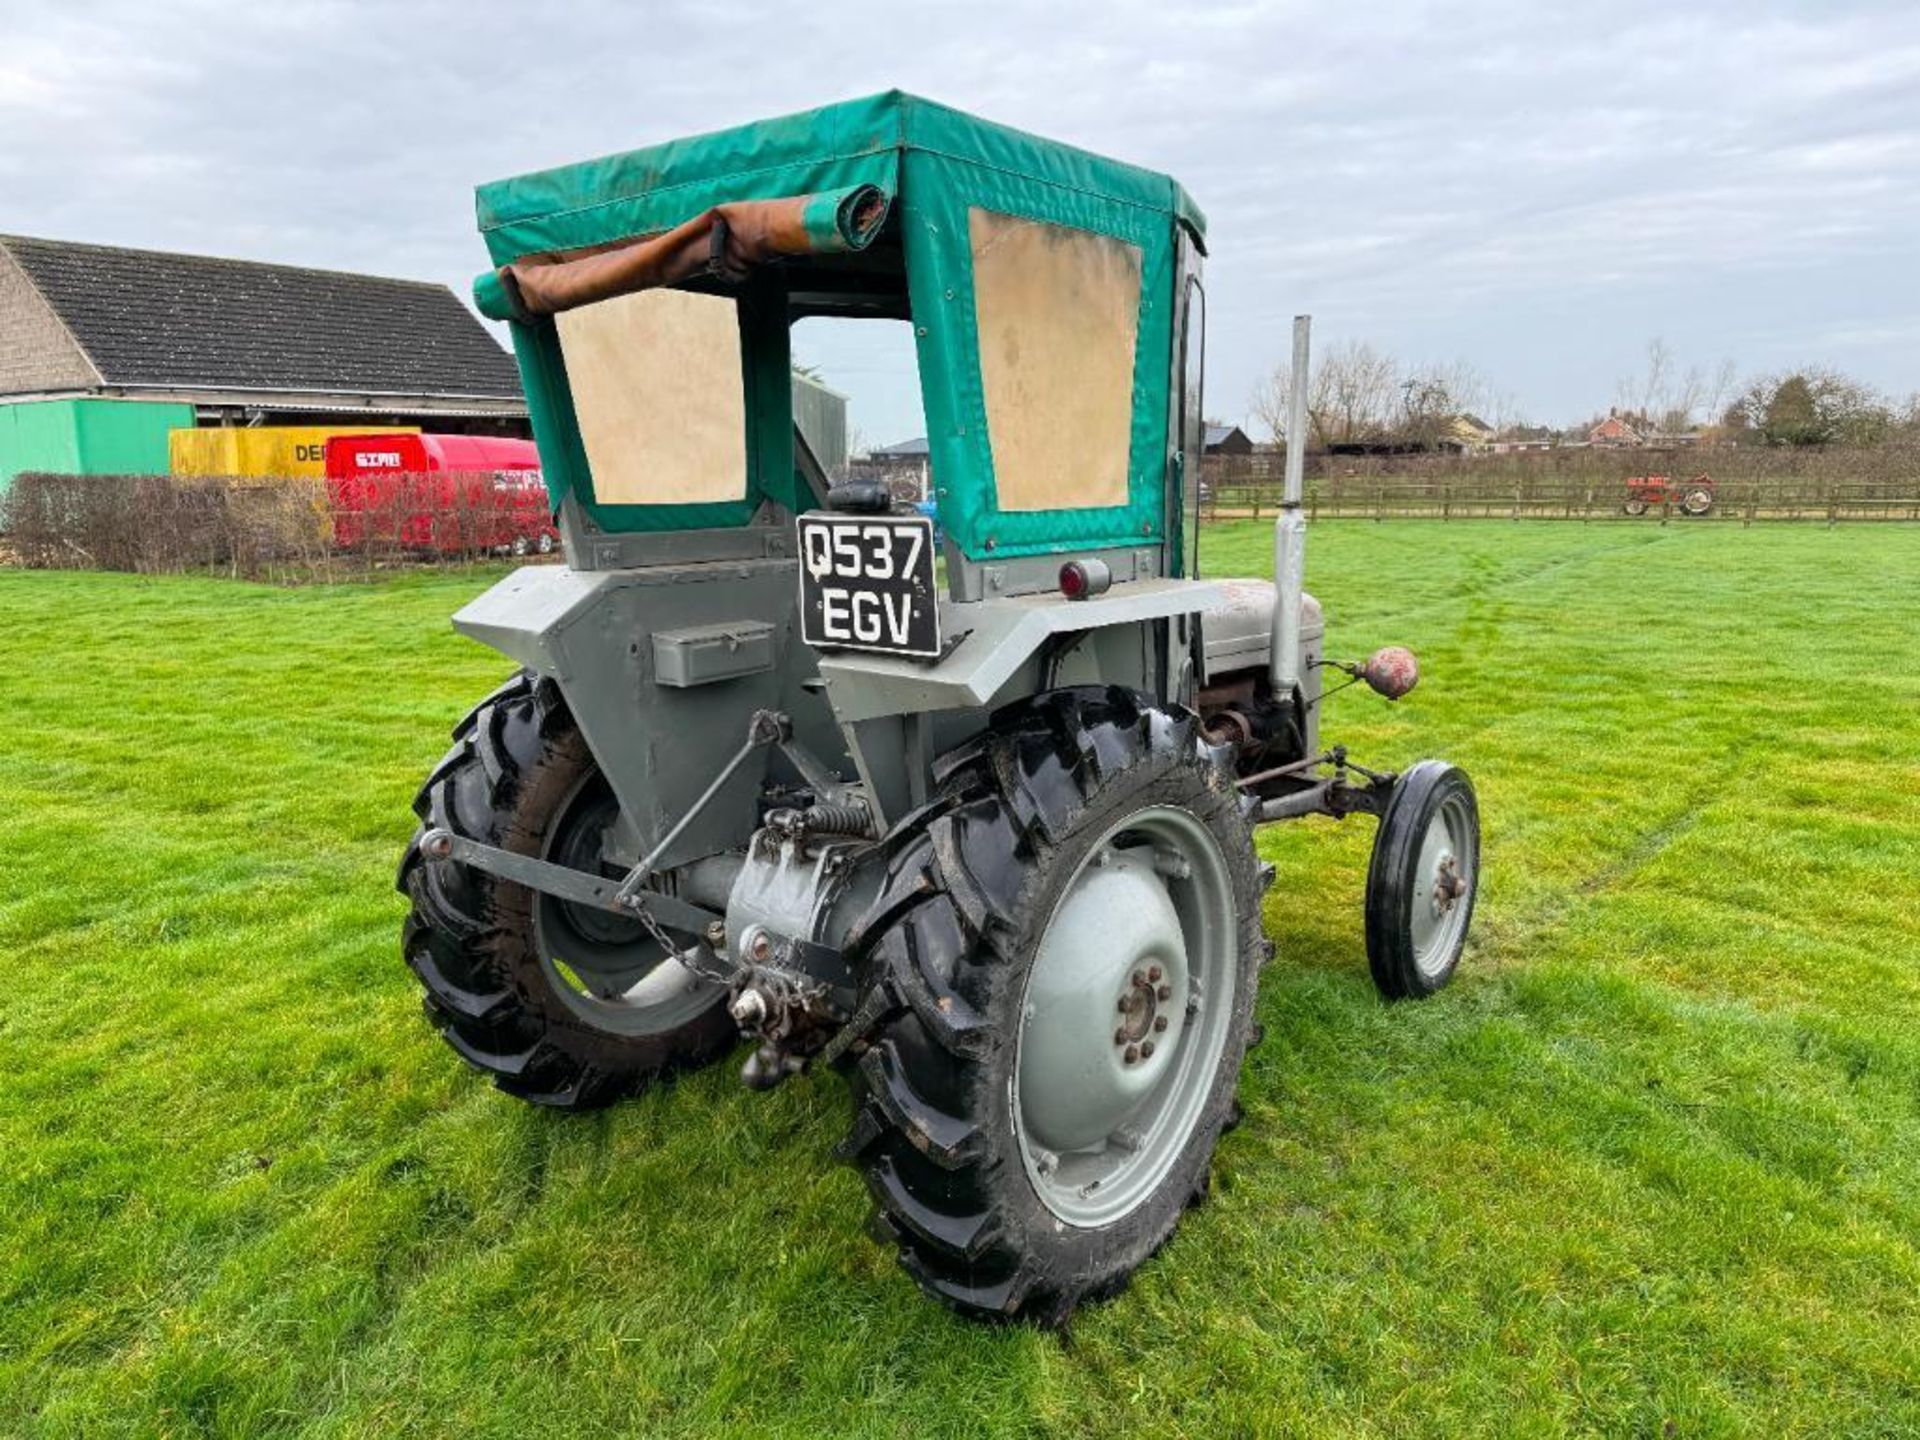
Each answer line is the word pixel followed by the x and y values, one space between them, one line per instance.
pixel 976 826
pixel 1692 497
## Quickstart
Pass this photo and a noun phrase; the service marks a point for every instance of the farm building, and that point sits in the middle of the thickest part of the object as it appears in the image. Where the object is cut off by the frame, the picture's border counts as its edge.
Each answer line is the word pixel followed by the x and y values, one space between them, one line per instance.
pixel 820 415
pixel 906 467
pixel 1227 440
pixel 104 351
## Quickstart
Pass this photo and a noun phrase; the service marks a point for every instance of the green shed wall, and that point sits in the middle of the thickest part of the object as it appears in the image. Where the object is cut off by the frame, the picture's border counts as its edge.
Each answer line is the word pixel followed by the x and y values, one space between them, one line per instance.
pixel 88 437
pixel 127 437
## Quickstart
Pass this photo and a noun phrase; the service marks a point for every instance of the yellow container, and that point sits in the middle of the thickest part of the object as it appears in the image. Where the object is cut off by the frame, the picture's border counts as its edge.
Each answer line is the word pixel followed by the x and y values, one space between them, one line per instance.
pixel 264 452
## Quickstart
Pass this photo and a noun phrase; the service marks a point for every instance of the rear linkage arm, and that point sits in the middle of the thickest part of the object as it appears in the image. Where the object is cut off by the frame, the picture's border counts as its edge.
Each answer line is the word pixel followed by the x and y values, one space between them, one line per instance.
pixel 629 895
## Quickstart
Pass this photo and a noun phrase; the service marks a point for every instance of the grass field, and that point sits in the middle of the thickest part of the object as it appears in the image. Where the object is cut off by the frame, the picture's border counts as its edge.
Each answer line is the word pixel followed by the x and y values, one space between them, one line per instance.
pixel 1650 1167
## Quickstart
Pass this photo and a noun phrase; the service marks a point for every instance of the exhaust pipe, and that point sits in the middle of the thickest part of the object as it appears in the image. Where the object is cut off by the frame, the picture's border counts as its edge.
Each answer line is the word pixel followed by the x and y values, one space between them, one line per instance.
pixel 1290 530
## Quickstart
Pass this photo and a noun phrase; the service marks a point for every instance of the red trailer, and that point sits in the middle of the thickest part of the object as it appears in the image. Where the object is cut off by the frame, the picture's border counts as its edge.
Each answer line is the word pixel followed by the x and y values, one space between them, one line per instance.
pixel 439 493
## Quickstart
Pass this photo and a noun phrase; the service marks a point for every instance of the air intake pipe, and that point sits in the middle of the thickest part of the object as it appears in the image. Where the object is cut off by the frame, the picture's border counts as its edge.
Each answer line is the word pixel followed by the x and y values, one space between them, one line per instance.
pixel 1290 530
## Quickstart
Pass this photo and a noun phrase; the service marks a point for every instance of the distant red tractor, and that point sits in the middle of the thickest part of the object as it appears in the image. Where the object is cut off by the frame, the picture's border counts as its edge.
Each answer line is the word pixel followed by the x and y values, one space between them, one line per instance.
pixel 1690 497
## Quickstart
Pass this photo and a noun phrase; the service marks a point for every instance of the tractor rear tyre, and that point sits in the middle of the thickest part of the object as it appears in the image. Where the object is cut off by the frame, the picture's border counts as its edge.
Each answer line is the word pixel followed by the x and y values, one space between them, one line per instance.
pixel 561 1004
pixel 1697 501
pixel 1065 954
pixel 1422 881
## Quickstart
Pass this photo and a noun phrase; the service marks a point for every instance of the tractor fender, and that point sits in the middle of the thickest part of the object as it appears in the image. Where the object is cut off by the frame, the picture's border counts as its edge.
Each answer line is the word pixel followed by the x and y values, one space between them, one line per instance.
pixel 988 641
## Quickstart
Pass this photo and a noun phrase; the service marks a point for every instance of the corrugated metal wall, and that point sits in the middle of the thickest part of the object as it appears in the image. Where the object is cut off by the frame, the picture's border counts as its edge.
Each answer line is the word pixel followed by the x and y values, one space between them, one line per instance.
pixel 821 414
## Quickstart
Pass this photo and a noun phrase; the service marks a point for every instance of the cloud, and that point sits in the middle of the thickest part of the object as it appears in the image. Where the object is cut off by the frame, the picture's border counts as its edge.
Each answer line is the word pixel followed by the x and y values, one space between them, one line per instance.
pixel 1534 187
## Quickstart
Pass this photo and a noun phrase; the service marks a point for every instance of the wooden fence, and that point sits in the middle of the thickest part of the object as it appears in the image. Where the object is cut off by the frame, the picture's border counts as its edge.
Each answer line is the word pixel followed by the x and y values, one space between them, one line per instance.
pixel 1830 486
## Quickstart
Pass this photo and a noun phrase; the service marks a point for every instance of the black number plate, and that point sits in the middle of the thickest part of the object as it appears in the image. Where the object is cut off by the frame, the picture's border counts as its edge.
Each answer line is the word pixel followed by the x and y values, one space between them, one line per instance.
pixel 866 583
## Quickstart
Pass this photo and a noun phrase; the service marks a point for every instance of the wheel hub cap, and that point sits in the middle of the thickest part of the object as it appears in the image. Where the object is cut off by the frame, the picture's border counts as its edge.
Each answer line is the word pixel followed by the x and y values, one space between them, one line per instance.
pixel 1080 1072
pixel 1125 1016
pixel 1444 879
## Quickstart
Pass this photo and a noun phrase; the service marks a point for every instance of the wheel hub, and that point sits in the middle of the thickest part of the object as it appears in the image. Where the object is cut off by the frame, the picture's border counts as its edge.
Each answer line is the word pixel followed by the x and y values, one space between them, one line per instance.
pixel 1448 886
pixel 1127 1008
pixel 1140 1018
pixel 1115 943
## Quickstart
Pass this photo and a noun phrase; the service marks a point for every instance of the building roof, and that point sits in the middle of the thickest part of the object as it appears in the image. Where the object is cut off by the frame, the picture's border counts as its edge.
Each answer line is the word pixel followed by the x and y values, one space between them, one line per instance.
pixel 905 450
pixel 1219 434
pixel 155 320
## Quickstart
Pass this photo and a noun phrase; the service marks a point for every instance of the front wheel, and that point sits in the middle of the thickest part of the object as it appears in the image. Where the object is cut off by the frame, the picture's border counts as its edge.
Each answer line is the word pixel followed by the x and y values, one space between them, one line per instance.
pixel 1068 952
pixel 1697 501
pixel 1422 881
pixel 1635 506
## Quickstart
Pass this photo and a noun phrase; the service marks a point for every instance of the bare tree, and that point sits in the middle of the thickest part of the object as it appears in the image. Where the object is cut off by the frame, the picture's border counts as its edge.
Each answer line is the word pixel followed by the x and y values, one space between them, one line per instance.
pixel 1641 395
pixel 1667 398
pixel 1352 394
pixel 1720 389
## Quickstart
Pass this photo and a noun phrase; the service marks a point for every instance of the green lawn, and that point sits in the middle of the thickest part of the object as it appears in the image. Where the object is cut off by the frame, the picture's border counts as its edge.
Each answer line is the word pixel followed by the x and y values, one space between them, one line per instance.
pixel 1651 1166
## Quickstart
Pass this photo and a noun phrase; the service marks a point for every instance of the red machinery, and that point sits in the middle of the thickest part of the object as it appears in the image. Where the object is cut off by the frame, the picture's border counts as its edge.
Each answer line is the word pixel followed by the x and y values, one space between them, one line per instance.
pixel 440 493
pixel 1692 497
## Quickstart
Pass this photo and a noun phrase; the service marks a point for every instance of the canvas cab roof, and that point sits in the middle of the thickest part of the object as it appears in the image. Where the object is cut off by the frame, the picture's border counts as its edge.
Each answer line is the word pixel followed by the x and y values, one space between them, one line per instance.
pixel 833 148
pixel 1046 287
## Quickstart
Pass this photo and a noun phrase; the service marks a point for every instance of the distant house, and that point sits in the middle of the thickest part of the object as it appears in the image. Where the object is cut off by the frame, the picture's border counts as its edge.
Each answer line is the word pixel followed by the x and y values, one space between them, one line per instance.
pixel 1615 430
pixel 104 351
pixel 1227 440
pixel 906 467
pixel 1466 433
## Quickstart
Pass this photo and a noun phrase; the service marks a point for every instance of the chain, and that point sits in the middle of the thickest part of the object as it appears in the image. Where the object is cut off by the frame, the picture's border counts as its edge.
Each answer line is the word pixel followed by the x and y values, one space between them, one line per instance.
pixel 715 971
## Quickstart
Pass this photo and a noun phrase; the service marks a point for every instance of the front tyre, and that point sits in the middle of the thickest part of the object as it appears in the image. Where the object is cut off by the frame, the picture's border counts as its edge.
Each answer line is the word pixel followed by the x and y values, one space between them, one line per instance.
pixel 1067 946
pixel 562 1004
pixel 1422 881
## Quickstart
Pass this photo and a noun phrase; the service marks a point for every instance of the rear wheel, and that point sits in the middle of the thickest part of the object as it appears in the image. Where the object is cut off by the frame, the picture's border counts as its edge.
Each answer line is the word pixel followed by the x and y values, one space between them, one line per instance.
pixel 1068 945
pixel 1697 501
pixel 561 1004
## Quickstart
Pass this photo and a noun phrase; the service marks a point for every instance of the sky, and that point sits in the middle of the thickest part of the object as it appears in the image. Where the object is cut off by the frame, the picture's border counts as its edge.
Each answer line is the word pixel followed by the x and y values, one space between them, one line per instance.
pixel 1536 189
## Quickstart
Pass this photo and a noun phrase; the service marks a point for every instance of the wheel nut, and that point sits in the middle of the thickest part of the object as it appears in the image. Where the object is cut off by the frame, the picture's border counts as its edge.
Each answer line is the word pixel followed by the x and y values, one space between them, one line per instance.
pixel 1165 992
pixel 1126 1004
pixel 1133 1052
pixel 1159 1024
pixel 1139 977
pixel 1146 1049
pixel 1120 1037
pixel 1153 975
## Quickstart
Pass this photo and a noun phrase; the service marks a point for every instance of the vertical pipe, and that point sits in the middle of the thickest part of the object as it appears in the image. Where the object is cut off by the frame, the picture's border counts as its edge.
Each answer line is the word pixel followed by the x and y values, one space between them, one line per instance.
pixel 1290 529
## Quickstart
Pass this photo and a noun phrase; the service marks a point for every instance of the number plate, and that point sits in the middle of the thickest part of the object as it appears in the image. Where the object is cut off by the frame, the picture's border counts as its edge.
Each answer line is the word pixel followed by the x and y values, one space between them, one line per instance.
pixel 866 583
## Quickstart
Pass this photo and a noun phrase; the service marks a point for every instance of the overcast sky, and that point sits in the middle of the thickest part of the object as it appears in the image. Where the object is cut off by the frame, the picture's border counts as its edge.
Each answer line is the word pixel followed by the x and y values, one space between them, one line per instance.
pixel 1535 188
